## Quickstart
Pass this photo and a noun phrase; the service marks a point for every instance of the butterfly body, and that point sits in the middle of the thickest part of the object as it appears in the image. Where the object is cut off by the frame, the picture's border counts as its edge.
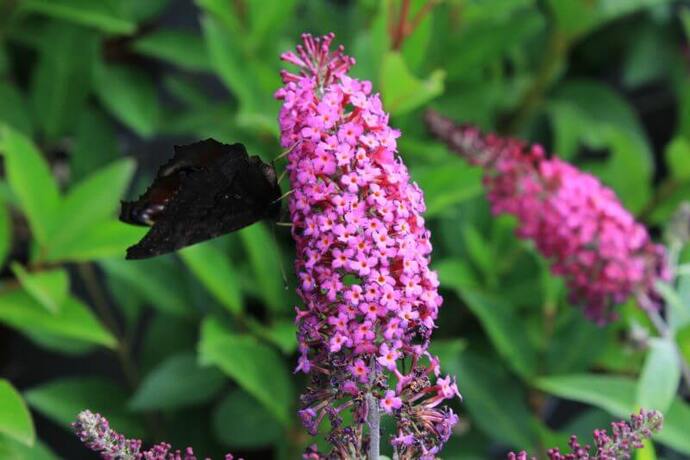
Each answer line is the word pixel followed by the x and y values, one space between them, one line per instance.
pixel 206 190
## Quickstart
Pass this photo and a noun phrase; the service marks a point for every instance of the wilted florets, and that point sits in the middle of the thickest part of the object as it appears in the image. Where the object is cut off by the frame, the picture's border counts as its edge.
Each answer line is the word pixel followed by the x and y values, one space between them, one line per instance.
pixel 604 255
pixel 625 438
pixel 362 259
pixel 95 432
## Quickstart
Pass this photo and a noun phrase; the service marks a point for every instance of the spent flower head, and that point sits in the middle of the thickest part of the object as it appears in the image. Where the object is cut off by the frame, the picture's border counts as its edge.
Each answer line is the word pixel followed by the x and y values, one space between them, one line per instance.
pixel 96 434
pixel 363 254
pixel 625 437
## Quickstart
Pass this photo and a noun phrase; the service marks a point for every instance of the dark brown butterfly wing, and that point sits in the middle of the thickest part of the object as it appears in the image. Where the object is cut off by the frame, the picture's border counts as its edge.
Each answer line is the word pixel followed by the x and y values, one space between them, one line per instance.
pixel 224 195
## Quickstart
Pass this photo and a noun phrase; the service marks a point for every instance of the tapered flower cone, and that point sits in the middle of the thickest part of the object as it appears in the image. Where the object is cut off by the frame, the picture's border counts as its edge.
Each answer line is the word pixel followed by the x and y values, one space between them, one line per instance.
pixel 363 256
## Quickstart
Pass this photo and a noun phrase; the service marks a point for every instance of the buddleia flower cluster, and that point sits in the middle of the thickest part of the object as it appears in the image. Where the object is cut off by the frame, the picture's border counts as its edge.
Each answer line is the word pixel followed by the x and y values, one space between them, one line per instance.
pixel 96 434
pixel 625 437
pixel 363 255
pixel 574 220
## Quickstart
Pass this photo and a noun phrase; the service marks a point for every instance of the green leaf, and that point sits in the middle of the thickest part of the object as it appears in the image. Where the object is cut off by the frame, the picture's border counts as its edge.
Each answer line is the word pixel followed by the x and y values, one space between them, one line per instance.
pixel 156 279
pixel 130 96
pixel 106 15
pixel 257 368
pixel 14 450
pixel 495 402
pixel 678 158
pixel 63 399
pixel 182 48
pixel 660 376
pixel 448 184
pixel 31 181
pixel 95 144
pixel 601 119
pixel 265 260
pixel 63 78
pixel 14 110
pixel 177 382
pixel 107 239
pixel 73 321
pixel 15 419
pixel 240 422
pixel 91 202
pixel 576 19
pixel 498 319
pixel 266 19
pixel 403 92
pixel 47 287
pixel 5 233
pixel 575 345
pixel 216 273
pixel 227 63
pixel 616 395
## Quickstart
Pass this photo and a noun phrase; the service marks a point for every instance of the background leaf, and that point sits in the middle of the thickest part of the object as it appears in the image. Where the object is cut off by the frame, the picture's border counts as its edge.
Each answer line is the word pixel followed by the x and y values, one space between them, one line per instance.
pixel 15 419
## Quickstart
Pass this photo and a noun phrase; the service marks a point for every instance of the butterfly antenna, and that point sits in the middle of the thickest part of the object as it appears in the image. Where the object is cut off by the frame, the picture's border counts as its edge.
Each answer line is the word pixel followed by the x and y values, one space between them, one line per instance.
pixel 282 176
pixel 287 152
pixel 280 259
pixel 284 195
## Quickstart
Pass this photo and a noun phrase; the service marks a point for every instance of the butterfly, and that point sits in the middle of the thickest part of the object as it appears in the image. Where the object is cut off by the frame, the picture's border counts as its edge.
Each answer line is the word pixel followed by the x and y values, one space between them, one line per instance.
pixel 206 190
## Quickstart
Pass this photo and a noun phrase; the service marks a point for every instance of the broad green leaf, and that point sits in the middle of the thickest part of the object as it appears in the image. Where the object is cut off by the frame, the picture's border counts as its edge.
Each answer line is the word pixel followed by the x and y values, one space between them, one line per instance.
pixel 616 395
pixel 5 233
pixel 107 239
pixel 678 310
pixel 95 145
pixel 227 63
pixel 257 368
pixel 660 376
pixel 265 260
pixel 14 110
pixel 15 419
pixel 266 19
pixel 683 341
pixel 130 96
pixel 143 11
pixel 575 345
pixel 678 158
pixel 73 321
pixel 48 287
pixel 31 181
pixel 177 382
pixel 495 402
pixel 106 15
pixel 499 321
pixel 14 450
pixel 215 271
pixel 63 78
pixel 479 250
pixel 280 333
pixel 576 19
pixel 182 48
pixel 447 185
pixel 241 422
pixel 647 452
pixel 91 202
pixel 685 19
pixel 600 118
pixel 403 92
pixel 224 12
pixel 63 399
pixel 156 279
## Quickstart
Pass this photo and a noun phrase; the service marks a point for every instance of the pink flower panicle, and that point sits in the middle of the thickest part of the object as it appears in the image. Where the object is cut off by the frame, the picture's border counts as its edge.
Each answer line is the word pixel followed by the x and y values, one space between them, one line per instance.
pixel 95 432
pixel 626 436
pixel 363 255
pixel 604 255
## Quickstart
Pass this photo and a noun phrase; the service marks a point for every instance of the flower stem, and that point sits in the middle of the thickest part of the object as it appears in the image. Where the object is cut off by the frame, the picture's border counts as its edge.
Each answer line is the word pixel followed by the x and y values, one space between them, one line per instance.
pixel 374 422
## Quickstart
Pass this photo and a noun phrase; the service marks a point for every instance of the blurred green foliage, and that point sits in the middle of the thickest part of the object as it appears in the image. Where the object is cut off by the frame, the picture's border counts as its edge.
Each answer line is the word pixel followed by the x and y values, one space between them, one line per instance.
pixel 200 345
